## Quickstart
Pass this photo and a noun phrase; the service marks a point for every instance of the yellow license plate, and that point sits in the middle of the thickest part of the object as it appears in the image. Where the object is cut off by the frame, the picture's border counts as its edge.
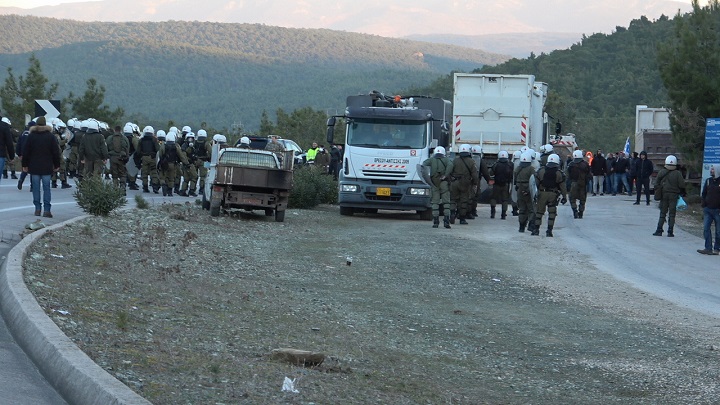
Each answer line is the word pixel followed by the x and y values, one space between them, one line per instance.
pixel 385 191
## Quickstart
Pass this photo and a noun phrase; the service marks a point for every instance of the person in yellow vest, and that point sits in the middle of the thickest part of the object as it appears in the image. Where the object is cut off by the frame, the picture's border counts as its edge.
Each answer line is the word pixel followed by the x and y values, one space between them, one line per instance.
pixel 312 153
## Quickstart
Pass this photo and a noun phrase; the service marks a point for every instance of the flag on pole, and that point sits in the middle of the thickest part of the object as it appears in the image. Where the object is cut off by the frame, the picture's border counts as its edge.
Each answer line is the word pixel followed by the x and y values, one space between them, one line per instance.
pixel 627 147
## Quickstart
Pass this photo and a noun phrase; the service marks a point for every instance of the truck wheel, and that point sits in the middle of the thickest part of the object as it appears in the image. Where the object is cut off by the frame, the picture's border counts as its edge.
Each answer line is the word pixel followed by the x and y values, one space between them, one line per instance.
pixel 268 212
pixel 426 215
pixel 346 211
pixel 214 209
pixel 205 203
pixel 279 216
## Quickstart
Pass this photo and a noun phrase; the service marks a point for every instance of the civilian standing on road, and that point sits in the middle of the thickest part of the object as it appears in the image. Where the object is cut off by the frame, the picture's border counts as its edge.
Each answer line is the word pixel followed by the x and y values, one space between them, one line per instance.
pixel 643 169
pixel 19 150
pixel 598 166
pixel 632 174
pixel 673 186
pixel 711 211
pixel 610 173
pixel 620 169
pixel 7 150
pixel 41 157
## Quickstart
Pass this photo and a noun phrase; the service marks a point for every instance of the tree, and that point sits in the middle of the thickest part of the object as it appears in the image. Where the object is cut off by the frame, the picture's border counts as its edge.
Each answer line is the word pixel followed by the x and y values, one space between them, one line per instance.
pixel 266 126
pixel 90 105
pixel 689 66
pixel 19 95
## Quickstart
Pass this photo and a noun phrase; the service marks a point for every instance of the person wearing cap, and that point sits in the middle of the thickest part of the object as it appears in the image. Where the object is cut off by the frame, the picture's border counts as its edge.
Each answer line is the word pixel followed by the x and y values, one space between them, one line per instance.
pixel 672 184
pixel 40 158
pixel 710 201
pixel 7 149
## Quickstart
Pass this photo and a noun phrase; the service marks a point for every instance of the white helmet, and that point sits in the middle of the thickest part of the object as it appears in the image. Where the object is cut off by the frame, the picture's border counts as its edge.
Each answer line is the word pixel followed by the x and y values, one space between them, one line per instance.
pixel 244 140
pixel 547 148
pixel 524 149
pixel 57 123
pixel 77 124
pixel 553 159
pixel 6 120
pixel 104 125
pixel 526 157
pixel 186 129
pixel 202 134
pixel 465 148
pixel 161 134
pixel 148 130
pixel 503 154
pixel 477 149
pixel 128 128
pixel 578 154
pixel 439 150
pixel 173 129
pixel 84 124
pixel 516 155
pixel 671 160
pixel 537 156
pixel 217 138
pixel 93 126
pixel 170 137
pixel 71 122
pixel 136 128
pixel 190 135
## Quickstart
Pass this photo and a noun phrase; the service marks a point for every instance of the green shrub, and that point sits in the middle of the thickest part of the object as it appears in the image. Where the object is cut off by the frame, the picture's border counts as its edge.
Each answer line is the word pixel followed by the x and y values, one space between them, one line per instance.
pixel 98 197
pixel 141 202
pixel 312 187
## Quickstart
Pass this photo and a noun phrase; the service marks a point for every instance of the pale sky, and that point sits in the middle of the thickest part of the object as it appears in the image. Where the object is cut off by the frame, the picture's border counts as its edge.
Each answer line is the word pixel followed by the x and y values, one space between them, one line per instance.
pixel 38 3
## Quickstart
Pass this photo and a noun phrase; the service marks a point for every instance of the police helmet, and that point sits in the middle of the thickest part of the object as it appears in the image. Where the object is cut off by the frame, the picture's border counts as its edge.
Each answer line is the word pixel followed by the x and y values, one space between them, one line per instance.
pixel 547 148
pixel 93 126
pixel 578 154
pixel 173 129
pixel 6 120
pixel 217 138
pixel 128 128
pixel 148 130
pixel 57 123
pixel 439 150
pixel 161 135
pixel 526 157
pixel 524 149
pixel 84 125
pixel 186 129
pixel 244 140
pixel 476 149
pixel 170 137
pixel 201 134
pixel 671 160
pixel 503 154
pixel 516 155
pixel 190 135
pixel 465 148
pixel 553 159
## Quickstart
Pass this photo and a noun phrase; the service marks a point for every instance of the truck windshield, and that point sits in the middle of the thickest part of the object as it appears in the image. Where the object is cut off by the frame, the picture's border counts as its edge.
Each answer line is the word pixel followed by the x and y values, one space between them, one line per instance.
pixel 387 134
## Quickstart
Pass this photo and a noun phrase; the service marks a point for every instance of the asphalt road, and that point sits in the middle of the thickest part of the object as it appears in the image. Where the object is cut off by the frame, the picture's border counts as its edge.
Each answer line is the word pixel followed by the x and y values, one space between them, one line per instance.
pixel 20 380
pixel 615 238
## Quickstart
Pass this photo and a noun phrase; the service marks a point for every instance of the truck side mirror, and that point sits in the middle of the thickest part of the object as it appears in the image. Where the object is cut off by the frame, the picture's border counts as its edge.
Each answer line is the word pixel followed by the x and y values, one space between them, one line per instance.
pixel 558 128
pixel 330 130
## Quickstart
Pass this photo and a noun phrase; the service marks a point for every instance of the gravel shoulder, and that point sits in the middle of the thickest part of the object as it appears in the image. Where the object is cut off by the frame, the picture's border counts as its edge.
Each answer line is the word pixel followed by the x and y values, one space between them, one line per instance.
pixel 185 308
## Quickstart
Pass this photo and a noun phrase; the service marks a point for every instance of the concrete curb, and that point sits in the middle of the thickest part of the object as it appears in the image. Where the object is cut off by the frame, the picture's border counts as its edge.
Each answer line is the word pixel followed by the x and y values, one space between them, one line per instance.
pixel 70 371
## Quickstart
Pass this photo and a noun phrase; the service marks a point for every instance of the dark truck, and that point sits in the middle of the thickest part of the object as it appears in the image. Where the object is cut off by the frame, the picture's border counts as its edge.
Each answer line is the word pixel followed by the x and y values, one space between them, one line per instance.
pixel 248 179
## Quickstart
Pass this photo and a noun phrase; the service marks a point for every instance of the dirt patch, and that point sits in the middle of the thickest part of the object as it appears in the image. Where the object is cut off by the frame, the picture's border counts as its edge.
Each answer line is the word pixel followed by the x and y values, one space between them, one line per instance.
pixel 185 308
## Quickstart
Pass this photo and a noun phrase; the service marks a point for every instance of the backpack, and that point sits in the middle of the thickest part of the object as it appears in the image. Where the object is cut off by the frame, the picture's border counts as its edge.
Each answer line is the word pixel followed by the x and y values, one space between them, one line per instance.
pixel 503 172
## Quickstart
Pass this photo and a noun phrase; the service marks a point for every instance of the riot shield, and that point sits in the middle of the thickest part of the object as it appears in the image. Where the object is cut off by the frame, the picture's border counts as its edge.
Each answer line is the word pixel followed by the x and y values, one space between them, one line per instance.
pixel 532 184
pixel 424 172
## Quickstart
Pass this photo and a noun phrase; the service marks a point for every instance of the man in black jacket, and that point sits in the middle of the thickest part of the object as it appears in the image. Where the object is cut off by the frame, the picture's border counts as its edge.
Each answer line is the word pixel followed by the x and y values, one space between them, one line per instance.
pixel 40 158
pixel 643 170
pixel 598 167
pixel 7 150
pixel 620 169
pixel 711 211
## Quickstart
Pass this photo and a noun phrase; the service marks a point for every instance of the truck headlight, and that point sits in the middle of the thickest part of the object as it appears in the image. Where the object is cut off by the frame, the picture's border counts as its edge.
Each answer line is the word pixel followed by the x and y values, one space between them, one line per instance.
pixel 419 191
pixel 349 188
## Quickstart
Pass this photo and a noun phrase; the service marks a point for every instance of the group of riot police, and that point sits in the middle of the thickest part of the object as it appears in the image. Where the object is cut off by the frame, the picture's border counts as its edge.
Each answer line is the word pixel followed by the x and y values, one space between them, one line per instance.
pixel 173 161
pixel 531 183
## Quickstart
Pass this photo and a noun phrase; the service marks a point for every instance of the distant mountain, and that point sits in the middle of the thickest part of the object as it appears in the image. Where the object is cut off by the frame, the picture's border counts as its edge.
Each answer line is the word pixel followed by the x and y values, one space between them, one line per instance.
pixel 380 17
pixel 517 45
pixel 224 73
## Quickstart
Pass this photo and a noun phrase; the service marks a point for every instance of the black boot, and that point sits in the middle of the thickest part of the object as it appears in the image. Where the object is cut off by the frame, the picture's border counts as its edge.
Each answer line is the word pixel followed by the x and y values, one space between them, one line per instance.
pixel 452 217
pixel 13 176
pixel 580 214
pixel 4 174
pixel 670 233
pixel 492 212
pixel 658 232
pixel 535 230
pixel 575 214
pixel 133 186
pixel 192 193
pixel 503 215
pixel 446 222
pixel 548 233
pixel 65 184
pixel 165 191
pixel 463 221
pixel 145 189
pixel 54 184
pixel 436 222
pixel 522 228
pixel 181 193
pixel 177 189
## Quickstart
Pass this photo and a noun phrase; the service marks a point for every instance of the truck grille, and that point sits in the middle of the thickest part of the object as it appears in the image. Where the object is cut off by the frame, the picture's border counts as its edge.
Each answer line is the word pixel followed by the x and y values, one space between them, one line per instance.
pixel 391 198
pixel 388 174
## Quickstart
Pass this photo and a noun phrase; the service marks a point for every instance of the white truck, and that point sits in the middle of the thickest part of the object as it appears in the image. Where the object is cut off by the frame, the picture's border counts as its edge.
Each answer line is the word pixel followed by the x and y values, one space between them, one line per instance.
pixel 499 112
pixel 387 138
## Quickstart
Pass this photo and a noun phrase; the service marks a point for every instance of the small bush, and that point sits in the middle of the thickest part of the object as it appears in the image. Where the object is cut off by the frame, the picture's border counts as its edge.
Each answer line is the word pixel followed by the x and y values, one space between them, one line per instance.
pixel 141 202
pixel 311 186
pixel 97 197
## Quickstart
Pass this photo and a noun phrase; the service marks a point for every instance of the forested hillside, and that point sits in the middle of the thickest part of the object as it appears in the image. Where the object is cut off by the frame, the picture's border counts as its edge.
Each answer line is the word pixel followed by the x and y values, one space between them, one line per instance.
pixel 596 83
pixel 223 73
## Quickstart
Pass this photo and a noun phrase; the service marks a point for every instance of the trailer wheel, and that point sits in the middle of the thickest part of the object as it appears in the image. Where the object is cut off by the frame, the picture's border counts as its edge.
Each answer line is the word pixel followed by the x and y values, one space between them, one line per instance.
pixel 214 208
pixel 347 211
pixel 426 215
pixel 268 212
pixel 279 216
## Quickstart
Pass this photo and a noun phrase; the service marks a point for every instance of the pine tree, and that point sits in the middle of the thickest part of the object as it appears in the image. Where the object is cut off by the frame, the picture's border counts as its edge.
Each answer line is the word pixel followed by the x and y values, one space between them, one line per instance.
pixel 90 105
pixel 690 69
pixel 19 95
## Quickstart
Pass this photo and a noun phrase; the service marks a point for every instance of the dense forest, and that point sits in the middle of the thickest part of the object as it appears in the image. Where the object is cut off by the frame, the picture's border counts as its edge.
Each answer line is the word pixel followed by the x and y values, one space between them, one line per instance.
pixel 227 74
pixel 223 74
